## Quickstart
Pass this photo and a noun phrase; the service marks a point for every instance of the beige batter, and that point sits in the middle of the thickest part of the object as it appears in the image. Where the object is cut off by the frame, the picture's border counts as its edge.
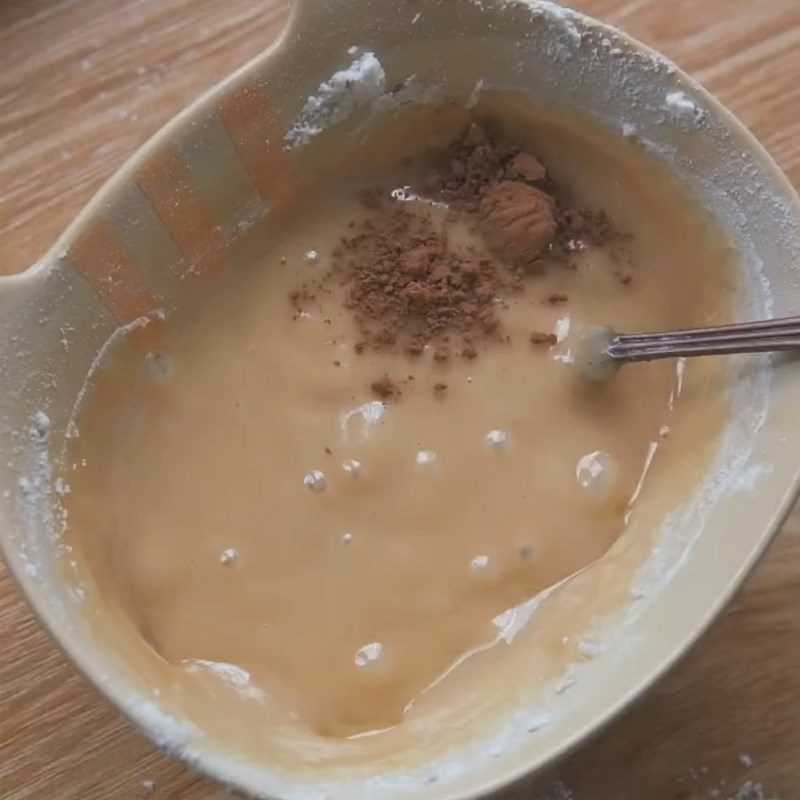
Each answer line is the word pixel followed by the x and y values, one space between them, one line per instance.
pixel 297 553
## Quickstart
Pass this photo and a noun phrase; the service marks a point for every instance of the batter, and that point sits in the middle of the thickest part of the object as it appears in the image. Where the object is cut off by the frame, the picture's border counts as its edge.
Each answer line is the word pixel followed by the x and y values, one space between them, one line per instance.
pixel 318 530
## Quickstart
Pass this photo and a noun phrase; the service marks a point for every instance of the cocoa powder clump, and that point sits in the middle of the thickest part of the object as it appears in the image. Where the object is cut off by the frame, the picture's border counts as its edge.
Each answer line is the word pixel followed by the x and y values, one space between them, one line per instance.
pixel 528 167
pixel 542 338
pixel 583 225
pixel 473 163
pixel 407 288
pixel 518 222
pixel 385 388
pixel 477 164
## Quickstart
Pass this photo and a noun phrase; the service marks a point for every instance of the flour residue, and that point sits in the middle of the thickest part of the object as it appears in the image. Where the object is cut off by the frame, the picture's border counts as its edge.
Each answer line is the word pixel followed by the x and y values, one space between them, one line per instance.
pixel 361 86
pixel 359 423
pixel 230 675
pixel 684 109
pixel 562 19
pixel 336 98
pixel 35 497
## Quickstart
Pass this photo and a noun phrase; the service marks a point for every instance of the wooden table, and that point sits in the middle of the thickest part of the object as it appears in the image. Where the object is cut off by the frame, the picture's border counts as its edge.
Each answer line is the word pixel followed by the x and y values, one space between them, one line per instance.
pixel 82 84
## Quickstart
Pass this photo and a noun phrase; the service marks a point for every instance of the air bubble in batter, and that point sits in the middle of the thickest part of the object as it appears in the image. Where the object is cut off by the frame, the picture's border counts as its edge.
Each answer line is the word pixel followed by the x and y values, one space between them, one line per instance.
pixel 597 472
pixel 368 654
pixel 315 480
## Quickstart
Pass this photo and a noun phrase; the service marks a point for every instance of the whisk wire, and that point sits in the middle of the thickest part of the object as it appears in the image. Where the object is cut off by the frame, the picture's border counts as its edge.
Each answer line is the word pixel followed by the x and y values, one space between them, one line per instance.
pixel 749 337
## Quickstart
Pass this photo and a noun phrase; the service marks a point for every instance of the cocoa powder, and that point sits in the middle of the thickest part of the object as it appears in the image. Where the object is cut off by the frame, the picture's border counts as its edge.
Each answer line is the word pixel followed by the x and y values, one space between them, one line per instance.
pixel 542 338
pixel 517 222
pixel 407 288
pixel 528 167
pixel 385 388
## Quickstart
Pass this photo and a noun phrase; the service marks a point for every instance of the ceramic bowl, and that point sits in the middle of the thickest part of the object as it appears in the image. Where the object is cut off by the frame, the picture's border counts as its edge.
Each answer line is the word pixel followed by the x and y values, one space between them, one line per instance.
pixel 182 205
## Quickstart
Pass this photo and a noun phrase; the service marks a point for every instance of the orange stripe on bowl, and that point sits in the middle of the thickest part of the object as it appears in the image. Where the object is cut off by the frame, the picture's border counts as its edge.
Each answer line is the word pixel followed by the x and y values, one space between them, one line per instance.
pixel 181 206
pixel 257 134
pixel 111 272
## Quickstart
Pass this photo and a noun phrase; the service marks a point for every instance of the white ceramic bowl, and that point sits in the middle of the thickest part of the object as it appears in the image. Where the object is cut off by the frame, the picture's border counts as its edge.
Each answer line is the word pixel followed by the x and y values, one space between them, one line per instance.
pixel 185 200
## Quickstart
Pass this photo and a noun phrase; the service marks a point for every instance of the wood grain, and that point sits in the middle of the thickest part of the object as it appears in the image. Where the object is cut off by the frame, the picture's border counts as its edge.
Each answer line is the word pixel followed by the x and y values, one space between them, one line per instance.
pixel 82 84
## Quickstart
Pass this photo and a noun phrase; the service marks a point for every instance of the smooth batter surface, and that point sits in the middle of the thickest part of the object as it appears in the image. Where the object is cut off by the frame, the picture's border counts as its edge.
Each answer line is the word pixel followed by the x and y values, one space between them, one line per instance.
pixel 296 553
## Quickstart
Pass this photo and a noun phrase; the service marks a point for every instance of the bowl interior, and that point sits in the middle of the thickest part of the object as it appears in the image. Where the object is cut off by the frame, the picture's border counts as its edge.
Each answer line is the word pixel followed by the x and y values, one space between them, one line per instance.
pixel 191 202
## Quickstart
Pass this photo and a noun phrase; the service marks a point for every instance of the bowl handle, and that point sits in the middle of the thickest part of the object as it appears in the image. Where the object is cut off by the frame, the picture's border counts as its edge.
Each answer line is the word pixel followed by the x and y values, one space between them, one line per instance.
pixel 21 287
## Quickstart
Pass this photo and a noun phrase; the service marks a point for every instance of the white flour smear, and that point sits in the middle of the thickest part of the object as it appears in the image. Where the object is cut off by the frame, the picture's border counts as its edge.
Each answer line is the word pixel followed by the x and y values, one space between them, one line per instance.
pixel 336 99
pixel 752 791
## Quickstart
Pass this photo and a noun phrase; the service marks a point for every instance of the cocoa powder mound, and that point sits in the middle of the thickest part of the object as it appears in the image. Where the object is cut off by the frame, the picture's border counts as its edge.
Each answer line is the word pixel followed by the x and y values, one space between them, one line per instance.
pixel 476 165
pixel 518 222
pixel 406 288
pixel 523 214
pixel 473 164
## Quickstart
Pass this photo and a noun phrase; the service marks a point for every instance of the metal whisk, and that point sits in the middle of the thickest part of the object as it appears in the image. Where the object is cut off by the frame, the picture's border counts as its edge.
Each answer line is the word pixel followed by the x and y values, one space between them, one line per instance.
pixel 599 351
pixel 747 337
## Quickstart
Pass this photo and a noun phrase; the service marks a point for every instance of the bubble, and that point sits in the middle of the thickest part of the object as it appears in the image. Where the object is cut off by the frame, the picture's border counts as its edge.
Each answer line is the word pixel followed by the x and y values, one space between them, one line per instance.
pixel 597 472
pixel 315 480
pixel 372 412
pixel 360 422
pixel 425 458
pixel 368 654
pixel 312 257
pixel 479 562
pixel 347 538
pixel 498 440
pixel 351 466
pixel 228 556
